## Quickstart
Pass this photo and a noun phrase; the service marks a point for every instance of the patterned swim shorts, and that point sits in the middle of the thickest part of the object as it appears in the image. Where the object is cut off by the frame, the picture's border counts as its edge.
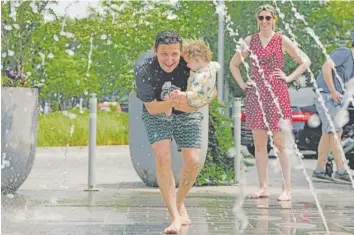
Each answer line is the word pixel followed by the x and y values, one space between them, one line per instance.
pixel 185 128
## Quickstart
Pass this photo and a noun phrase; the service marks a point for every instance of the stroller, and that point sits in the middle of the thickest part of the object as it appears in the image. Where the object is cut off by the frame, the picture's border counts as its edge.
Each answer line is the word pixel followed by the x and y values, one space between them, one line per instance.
pixel 348 149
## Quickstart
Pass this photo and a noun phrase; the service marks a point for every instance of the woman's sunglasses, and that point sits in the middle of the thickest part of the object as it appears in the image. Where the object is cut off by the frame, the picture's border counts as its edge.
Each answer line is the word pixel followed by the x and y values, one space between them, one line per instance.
pixel 261 18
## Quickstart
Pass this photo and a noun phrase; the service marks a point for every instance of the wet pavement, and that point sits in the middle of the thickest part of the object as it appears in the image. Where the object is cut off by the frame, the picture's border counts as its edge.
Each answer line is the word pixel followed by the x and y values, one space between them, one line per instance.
pixel 53 200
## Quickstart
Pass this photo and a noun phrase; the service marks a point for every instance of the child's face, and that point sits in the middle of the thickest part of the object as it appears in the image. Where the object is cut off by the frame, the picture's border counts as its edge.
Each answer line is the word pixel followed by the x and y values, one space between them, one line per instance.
pixel 193 63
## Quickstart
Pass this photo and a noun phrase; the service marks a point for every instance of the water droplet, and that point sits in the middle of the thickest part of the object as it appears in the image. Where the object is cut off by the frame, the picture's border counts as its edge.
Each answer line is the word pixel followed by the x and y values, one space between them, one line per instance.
pixel 314 121
pixel 16 26
pixel 103 36
pixel 70 52
pixel 50 55
pixel 56 37
pixel 342 117
pixel 8 27
pixel 10 53
pixel 54 200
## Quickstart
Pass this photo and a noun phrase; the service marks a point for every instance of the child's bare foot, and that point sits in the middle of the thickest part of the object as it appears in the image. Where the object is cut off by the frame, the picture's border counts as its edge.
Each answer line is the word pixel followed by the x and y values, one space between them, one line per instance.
pixel 184 215
pixel 285 196
pixel 261 193
pixel 174 227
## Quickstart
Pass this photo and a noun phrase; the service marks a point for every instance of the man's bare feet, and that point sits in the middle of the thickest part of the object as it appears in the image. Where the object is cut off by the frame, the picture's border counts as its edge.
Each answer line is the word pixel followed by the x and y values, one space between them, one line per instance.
pixel 285 196
pixel 174 227
pixel 261 193
pixel 184 215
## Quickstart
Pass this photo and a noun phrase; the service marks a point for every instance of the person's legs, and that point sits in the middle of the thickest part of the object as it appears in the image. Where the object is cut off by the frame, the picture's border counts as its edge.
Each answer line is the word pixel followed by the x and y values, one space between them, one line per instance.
pixel 279 142
pixel 187 131
pixel 328 141
pixel 188 175
pixel 341 174
pixel 261 155
pixel 336 147
pixel 323 151
pixel 159 132
pixel 166 182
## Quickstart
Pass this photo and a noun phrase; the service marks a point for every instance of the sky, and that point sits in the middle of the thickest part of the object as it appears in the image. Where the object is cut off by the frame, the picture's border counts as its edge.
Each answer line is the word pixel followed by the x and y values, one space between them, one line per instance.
pixel 78 9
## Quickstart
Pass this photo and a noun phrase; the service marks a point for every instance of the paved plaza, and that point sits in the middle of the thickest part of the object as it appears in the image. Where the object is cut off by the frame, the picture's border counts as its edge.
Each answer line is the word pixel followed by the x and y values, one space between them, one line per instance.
pixel 53 201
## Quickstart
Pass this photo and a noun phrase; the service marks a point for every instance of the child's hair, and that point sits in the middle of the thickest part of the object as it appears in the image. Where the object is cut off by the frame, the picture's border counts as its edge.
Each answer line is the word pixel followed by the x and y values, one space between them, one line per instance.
pixel 193 48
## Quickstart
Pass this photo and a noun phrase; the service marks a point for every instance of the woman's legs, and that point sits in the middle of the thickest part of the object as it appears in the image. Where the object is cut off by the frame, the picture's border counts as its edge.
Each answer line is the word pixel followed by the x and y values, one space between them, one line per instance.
pixel 279 142
pixel 261 155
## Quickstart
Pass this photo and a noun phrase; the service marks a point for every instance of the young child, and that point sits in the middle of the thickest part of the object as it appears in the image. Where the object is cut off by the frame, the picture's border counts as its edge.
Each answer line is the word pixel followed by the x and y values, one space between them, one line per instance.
pixel 201 83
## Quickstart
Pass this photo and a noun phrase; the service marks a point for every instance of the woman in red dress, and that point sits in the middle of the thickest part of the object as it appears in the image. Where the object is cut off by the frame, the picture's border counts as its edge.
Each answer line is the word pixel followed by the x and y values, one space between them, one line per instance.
pixel 272 103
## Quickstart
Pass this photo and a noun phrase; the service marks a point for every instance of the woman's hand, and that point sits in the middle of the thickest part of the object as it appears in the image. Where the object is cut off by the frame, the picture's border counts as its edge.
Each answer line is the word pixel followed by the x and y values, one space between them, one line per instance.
pixel 279 74
pixel 249 84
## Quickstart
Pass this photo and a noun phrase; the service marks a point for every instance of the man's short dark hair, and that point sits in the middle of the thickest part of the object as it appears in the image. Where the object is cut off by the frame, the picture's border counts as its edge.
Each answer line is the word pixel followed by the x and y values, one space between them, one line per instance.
pixel 167 37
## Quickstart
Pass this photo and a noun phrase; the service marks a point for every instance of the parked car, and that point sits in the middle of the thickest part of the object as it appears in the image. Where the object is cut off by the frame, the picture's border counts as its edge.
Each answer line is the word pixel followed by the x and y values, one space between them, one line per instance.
pixel 306 137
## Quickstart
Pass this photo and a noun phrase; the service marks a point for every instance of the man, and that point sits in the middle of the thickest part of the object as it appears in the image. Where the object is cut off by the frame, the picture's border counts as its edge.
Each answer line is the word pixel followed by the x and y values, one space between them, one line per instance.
pixel 337 70
pixel 158 73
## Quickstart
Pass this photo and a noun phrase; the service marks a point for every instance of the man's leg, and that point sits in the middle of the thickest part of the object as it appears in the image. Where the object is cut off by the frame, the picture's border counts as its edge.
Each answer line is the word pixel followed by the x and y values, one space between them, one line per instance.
pixel 324 146
pixel 166 182
pixel 341 174
pixel 323 151
pixel 187 131
pixel 159 131
pixel 188 175
pixel 336 147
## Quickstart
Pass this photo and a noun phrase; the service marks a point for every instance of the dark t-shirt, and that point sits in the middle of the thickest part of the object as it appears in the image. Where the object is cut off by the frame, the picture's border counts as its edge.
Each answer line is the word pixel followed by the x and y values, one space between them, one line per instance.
pixel 152 82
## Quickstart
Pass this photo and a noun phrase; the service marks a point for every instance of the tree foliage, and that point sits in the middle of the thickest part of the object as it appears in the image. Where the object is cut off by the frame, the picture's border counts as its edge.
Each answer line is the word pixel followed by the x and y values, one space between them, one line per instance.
pixel 71 58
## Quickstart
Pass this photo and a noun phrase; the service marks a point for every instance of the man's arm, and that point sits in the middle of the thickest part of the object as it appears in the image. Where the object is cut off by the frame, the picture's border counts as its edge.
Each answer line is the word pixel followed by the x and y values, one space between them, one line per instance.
pixel 155 107
pixel 337 58
pixel 146 91
pixel 327 68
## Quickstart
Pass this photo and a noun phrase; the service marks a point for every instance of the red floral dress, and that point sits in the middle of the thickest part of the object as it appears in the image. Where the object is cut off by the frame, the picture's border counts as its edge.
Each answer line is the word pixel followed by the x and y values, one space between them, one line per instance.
pixel 270 58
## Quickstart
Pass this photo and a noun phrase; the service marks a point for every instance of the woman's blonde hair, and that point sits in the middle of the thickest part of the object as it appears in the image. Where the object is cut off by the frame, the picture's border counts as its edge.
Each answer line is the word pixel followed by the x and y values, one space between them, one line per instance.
pixel 196 48
pixel 270 9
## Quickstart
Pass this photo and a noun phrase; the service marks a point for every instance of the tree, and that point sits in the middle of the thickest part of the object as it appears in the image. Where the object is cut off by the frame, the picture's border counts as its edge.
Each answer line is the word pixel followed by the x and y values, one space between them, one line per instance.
pixel 20 21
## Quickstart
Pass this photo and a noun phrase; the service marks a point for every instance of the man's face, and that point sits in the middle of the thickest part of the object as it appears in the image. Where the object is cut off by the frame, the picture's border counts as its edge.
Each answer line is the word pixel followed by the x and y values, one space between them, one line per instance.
pixel 168 56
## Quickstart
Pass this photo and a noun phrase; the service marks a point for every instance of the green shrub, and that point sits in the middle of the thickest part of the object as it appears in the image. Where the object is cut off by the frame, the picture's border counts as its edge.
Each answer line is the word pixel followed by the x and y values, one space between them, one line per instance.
pixel 219 166
pixel 54 128
pixel 55 106
pixel 113 107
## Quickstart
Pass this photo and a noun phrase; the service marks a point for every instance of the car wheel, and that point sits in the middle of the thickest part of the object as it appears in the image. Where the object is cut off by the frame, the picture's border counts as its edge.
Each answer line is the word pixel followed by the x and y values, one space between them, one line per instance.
pixel 349 156
pixel 351 161
pixel 251 149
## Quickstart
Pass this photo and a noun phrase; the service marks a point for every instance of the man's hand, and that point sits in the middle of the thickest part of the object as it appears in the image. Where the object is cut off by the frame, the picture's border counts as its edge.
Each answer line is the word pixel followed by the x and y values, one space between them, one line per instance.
pixel 178 97
pixel 175 94
pixel 336 96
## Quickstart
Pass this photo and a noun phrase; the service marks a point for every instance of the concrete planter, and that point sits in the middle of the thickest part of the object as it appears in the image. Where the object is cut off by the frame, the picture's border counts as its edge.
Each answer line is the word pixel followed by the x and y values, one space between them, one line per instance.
pixel 143 158
pixel 19 112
